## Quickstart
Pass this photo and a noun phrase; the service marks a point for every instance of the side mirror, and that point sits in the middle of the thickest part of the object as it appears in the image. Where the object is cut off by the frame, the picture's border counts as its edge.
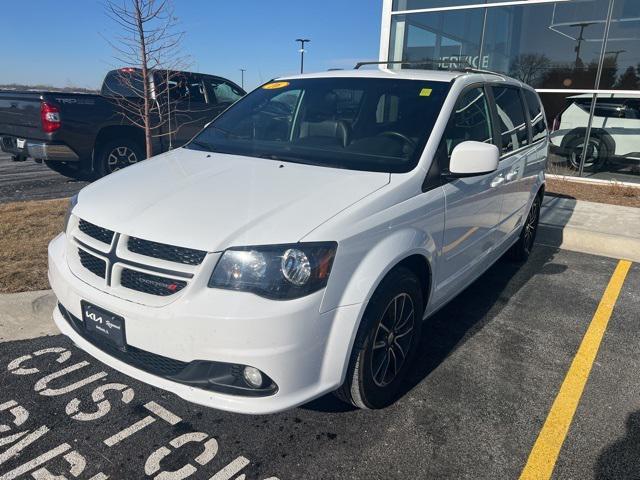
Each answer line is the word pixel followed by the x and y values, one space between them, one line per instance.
pixel 470 158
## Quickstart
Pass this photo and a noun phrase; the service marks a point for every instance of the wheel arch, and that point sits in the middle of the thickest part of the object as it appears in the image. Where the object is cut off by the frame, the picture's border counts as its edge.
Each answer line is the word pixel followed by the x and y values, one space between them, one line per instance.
pixel 114 132
pixel 356 282
pixel 408 248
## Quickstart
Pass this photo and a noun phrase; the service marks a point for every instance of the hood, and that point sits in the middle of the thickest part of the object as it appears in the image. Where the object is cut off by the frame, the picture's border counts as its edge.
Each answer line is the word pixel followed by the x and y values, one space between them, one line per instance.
pixel 211 201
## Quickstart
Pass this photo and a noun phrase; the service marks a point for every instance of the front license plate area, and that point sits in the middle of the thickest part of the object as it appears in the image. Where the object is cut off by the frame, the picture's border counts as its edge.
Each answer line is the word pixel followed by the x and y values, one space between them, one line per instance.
pixel 104 325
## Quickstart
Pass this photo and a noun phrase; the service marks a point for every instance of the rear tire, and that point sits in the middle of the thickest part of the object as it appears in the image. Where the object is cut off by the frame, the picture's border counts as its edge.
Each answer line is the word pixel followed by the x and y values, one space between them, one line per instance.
pixel 522 248
pixel 117 154
pixel 386 344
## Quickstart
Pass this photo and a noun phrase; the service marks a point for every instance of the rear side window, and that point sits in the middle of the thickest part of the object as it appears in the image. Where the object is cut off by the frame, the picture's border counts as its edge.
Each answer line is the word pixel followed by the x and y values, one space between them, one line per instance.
pixel 471 120
pixel 538 124
pixel 223 92
pixel 511 119
pixel 186 89
pixel 126 82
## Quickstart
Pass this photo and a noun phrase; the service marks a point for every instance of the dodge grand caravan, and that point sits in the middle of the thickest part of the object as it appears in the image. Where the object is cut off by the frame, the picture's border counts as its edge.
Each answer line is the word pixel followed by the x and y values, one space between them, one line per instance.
pixel 297 244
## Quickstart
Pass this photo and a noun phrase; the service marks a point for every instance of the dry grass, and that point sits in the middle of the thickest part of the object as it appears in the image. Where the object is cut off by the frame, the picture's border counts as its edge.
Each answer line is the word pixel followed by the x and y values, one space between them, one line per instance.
pixel 25 230
pixel 613 193
pixel 617 189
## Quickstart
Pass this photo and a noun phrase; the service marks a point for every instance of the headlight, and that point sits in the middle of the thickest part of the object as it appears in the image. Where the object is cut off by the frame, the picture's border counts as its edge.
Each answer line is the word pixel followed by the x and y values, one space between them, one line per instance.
pixel 73 201
pixel 279 272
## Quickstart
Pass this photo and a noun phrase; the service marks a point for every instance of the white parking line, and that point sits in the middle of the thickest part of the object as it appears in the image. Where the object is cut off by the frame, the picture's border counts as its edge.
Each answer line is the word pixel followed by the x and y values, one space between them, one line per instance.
pixel 41 385
pixel 36 462
pixel 88 410
pixel 163 413
pixel 127 432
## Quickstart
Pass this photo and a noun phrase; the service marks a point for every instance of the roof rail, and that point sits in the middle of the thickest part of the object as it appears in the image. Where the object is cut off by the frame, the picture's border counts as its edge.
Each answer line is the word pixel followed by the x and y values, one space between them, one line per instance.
pixel 454 65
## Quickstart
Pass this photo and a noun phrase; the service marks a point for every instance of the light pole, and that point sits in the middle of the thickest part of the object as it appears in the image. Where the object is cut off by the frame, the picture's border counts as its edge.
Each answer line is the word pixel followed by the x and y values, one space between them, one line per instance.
pixel 242 70
pixel 616 54
pixel 302 42
pixel 579 40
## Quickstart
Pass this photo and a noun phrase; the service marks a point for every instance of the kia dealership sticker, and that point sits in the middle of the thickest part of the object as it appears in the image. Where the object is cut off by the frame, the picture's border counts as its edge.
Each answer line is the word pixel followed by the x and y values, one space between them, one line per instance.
pixel 275 85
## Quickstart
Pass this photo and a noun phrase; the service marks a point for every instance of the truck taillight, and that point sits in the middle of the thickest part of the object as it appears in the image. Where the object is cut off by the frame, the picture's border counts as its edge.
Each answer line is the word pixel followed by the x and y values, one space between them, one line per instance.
pixel 50 117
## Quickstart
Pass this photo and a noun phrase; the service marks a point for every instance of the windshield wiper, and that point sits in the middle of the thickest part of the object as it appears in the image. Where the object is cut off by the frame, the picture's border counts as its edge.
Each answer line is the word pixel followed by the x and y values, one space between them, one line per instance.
pixel 228 133
pixel 283 158
pixel 206 146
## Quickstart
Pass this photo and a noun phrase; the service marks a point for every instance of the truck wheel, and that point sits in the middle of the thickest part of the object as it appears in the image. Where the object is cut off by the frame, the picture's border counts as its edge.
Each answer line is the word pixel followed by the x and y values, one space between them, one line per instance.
pixel 597 152
pixel 386 343
pixel 71 170
pixel 117 154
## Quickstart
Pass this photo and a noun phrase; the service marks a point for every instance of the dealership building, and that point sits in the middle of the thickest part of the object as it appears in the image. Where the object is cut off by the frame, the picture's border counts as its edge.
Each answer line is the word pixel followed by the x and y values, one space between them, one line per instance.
pixel 582 56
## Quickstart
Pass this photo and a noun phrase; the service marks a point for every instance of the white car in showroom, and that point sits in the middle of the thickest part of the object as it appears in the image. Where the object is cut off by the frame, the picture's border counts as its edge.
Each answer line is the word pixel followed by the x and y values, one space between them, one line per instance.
pixel 615 130
pixel 296 245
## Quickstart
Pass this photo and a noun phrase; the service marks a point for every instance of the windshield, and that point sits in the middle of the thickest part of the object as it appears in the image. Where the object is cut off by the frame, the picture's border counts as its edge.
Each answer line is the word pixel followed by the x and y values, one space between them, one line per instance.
pixel 369 124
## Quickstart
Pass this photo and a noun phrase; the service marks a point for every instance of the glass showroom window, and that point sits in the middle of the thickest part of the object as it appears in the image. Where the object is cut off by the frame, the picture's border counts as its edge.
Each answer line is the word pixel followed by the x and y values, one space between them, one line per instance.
pixel 399 5
pixel 448 38
pixel 550 46
pixel 558 48
pixel 622 55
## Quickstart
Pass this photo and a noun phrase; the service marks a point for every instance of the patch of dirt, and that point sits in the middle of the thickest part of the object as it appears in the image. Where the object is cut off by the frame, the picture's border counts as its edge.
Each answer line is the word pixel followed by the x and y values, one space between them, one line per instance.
pixel 612 193
pixel 25 231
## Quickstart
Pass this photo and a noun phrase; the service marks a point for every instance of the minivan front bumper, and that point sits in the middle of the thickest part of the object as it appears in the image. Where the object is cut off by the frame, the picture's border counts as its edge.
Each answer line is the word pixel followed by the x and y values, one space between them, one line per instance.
pixel 303 351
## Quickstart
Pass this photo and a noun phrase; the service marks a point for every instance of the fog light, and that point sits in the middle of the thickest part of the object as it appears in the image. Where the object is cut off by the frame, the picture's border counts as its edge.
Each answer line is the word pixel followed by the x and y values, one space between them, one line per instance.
pixel 253 376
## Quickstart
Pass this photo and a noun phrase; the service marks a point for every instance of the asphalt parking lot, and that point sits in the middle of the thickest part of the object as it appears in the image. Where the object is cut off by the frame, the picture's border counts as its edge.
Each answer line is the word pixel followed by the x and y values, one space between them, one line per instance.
pixel 29 180
pixel 492 364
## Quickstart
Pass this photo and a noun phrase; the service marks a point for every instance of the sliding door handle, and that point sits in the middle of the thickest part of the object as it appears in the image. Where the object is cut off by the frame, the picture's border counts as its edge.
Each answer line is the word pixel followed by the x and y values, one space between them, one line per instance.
pixel 497 181
pixel 512 175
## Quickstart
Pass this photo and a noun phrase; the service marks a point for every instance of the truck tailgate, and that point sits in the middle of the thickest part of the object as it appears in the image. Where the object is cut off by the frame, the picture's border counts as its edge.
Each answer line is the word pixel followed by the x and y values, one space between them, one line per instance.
pixel 20 114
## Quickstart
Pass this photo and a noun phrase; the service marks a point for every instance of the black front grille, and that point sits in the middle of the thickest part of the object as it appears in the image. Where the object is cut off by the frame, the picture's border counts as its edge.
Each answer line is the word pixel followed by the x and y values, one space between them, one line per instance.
pixel 151 284
pixel 188 256
pixel 101 234
pixel 94 264
pixel 147 361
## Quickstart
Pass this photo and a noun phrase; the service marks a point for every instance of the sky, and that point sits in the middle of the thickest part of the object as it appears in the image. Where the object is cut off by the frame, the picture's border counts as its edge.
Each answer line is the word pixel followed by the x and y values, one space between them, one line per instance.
pixel 64 42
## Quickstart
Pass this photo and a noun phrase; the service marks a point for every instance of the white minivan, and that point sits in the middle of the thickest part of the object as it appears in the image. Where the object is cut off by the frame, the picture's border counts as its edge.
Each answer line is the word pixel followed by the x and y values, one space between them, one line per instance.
pixel 296 245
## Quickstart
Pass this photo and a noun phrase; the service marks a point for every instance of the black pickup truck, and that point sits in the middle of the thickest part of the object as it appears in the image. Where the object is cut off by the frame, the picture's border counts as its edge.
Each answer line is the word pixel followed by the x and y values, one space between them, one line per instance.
pixel 84 135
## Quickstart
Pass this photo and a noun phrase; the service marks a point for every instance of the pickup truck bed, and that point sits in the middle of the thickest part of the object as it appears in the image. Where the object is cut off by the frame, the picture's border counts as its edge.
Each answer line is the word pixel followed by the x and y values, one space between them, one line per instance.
pixel 89 135
pixel 23 134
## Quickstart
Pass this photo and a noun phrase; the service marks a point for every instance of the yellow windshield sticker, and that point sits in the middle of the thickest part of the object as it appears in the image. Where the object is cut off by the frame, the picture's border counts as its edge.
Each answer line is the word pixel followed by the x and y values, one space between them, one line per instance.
pixel 425 92
pixel 274 85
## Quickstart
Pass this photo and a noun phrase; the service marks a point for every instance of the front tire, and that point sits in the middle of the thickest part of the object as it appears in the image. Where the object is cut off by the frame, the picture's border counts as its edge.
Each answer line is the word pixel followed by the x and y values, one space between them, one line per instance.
pixel 386 343
pixel 117 154
pixel 522 248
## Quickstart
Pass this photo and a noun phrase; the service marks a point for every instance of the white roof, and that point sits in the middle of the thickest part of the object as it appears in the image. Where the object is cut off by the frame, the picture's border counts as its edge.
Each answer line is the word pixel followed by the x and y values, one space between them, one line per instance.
pixel 409 74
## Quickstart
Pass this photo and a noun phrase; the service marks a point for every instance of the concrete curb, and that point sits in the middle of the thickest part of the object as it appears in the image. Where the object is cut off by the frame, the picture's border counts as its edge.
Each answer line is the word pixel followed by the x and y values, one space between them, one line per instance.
pixel 27 315
pixel 585 241
pixel 588 180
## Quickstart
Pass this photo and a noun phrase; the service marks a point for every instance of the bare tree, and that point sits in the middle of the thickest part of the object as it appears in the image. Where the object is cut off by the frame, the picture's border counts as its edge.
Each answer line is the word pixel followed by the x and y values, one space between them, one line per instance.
pixel 149 45
pixel 529 67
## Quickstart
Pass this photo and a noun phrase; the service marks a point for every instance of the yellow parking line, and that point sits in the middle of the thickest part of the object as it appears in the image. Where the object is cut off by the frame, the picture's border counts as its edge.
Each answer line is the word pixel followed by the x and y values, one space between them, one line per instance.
pixel 544 454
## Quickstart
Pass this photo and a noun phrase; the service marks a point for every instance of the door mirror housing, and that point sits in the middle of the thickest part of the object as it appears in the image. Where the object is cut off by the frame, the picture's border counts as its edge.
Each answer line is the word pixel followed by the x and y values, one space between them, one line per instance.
pixel 471 158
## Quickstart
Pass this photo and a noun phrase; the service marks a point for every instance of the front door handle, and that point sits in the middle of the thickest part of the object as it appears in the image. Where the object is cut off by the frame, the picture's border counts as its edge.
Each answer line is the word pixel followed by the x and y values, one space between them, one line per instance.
pixel 496 182
pixel 512 175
